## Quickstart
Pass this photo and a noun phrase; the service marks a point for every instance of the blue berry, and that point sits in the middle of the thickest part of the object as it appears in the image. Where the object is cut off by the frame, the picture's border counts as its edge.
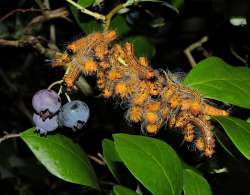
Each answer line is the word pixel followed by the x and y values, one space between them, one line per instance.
pixel 44 126
pixel 46 103
pixel 74 114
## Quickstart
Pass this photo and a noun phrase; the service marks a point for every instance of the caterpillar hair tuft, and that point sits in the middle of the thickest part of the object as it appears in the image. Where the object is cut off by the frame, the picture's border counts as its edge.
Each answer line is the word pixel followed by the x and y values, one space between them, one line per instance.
pixel 154 97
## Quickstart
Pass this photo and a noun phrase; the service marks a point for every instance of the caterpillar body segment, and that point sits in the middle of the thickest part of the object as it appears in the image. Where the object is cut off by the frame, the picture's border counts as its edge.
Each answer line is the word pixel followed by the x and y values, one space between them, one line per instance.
pixel 153 97
pixel 72 74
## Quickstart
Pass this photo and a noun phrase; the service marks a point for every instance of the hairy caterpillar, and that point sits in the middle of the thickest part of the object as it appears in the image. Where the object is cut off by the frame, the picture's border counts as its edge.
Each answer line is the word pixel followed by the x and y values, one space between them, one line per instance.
pixel 153 97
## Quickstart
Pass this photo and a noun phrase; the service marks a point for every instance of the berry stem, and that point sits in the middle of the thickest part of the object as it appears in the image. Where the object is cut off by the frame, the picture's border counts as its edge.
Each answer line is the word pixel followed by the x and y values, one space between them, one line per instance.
pixel 67 96
pixel 60 90
pixel 55 83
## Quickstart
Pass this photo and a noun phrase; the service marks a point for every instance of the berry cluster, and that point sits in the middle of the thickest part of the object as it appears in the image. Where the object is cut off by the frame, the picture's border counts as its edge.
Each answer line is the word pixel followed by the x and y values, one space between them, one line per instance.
pixel 153 97
pixel 49 114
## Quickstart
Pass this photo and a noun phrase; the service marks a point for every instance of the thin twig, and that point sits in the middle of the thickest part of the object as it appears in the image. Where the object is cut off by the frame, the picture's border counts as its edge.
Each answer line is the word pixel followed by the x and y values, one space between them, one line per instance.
pixel 19 10
pixel 193 46
pixel 12 43
pixel 97 160
pixel 238 56
pixel 52 28
pixel 100 156
pixel 32 41
pixel 105 19
pixel 9 136
pixel 110 15
pixel 46 16
pixel 48 52
pixel 40 4
pixel 86 11
pixel 204 51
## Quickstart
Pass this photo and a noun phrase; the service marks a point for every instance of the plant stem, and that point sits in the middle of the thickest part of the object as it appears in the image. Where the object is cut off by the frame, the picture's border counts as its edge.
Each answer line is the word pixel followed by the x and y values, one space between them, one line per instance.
pixel 193 46
pixel 55 83
pixel 109 16
pixel 86 11
pixel 9 136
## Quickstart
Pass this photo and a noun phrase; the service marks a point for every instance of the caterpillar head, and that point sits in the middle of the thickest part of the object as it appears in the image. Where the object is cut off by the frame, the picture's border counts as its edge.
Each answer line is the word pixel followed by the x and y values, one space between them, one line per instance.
pixel 86 46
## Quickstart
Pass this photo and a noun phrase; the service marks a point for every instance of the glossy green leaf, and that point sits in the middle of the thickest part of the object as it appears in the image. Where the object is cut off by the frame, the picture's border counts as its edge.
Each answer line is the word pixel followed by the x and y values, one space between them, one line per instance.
pixel 87 25
pixel 187 166
pixel 85 3
pixel 61 157
pixel 153 162
pixel 195 184
pixel 220 137
pixel 121 190
pixel 238 131
pixel 142 46
pixel 115 164
pixel 217 80
pixel 120 25
pixel 111 157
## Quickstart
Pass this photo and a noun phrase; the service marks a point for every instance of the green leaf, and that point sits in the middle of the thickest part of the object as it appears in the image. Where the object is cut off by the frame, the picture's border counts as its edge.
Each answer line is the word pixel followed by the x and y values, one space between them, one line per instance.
pixel 142 46
pixel 111 157
pixel 238 131
pixel 187 166
pixel 152 162
pixel 195 184
pixel 115 164
pixel 120 25
pixel 87 25
pixel 91 26
pixel 85 3
pixel 121 190
pixel 61 157
pixel 221 140
pixel 217 80
pixel 248 120
pixel 177 3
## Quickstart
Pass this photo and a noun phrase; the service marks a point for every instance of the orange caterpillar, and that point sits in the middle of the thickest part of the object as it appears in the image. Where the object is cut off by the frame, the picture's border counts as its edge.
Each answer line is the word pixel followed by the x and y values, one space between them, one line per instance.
pixel 154 98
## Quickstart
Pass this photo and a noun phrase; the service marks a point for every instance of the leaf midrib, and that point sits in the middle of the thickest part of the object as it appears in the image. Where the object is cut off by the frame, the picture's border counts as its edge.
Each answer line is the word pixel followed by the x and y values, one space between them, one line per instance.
pixel 150 155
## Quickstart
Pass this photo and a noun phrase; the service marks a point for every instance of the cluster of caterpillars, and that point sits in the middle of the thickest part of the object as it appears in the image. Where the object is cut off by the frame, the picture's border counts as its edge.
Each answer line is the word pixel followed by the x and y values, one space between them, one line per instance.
pixel 153 97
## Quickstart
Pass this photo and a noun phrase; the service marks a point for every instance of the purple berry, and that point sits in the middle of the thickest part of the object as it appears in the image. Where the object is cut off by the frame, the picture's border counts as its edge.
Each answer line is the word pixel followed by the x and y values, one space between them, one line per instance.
pixel 74 114
pixel 46 103
pixel 44 126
